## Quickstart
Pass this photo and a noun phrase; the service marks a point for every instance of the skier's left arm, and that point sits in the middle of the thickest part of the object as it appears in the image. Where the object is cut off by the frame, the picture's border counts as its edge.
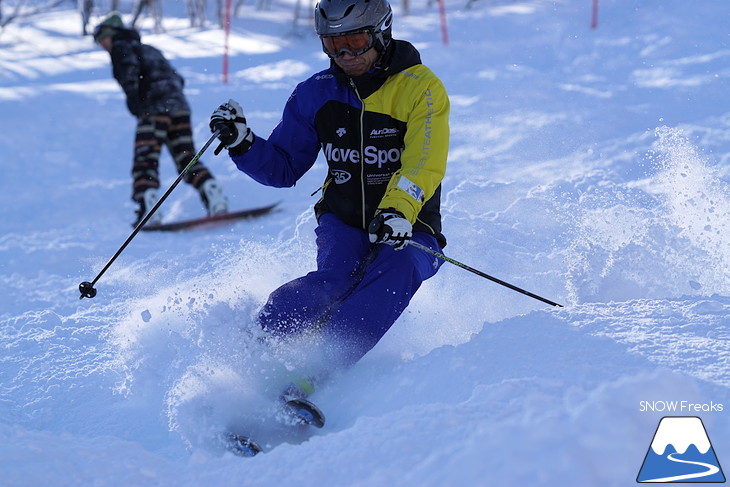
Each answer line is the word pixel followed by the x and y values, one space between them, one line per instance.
pixel 423 161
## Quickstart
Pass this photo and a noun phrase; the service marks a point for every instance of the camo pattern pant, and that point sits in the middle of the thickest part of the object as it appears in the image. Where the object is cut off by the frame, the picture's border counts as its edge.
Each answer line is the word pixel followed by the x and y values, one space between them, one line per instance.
pixel 154 132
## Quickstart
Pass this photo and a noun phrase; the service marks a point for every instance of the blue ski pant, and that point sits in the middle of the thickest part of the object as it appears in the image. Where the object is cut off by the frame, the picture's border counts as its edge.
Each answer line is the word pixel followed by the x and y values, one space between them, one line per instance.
pixel 356 293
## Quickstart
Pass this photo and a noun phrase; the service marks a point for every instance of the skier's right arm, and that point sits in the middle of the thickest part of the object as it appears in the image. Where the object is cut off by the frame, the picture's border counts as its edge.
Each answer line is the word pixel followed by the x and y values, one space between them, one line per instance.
pixel 283 158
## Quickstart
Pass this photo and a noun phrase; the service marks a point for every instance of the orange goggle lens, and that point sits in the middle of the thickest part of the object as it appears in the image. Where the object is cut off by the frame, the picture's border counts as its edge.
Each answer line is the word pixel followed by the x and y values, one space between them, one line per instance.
pixel 354 44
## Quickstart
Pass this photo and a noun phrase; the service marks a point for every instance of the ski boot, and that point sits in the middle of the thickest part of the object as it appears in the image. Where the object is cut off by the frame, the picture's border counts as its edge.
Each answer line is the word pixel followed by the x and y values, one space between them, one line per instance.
pixel 146 202
pixel 213 198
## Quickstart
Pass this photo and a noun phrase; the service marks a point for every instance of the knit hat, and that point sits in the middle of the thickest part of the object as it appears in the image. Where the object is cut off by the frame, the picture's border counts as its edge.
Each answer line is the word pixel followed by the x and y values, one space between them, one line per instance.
pixel 108 27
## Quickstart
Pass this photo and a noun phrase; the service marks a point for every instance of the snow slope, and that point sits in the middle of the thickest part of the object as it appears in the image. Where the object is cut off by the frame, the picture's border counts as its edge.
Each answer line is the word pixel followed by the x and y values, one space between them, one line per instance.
pixel 587 166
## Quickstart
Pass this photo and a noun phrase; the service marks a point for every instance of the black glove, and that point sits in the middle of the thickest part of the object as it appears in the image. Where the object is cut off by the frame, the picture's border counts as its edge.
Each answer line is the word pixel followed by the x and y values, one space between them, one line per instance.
pixel 390 227
pixel 234 134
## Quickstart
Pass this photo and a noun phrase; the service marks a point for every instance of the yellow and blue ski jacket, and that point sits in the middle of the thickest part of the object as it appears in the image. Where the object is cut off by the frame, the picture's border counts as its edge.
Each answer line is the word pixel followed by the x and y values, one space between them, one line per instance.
pixel 385 136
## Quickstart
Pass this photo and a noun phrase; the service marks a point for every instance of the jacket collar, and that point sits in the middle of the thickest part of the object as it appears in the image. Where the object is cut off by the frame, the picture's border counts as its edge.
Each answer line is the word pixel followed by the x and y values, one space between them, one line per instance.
pixel 399 55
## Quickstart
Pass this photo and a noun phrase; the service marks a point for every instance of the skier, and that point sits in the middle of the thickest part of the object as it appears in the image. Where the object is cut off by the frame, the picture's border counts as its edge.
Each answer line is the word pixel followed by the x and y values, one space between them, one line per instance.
pixel 381 119
pixel 154 92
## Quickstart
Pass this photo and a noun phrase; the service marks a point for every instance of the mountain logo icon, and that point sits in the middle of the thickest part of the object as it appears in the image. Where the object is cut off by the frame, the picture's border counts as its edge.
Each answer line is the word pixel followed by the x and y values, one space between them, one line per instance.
pixel 680 452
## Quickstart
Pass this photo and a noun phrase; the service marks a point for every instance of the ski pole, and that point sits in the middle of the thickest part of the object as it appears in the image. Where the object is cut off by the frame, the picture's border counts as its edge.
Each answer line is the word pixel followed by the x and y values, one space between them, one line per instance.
pixel 480 273
pixel 87 288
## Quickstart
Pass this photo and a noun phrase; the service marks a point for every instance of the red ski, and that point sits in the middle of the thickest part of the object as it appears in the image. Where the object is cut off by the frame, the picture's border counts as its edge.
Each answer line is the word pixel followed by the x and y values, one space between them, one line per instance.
pixel 210 221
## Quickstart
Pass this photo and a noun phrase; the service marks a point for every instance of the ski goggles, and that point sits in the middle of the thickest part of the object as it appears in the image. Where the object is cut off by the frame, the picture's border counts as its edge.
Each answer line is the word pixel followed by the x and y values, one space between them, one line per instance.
pixel 352 43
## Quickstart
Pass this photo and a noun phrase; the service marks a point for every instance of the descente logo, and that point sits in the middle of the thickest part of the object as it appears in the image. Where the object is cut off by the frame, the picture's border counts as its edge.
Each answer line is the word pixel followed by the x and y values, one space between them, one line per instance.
pixel 371 153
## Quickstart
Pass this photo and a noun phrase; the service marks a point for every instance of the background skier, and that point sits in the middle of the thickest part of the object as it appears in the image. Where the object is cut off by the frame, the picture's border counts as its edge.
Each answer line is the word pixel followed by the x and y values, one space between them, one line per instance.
pixel 154 92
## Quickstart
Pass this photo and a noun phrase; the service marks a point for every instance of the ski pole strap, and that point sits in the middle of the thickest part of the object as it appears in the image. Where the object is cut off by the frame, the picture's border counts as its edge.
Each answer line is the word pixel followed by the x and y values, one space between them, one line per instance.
pixel 482 274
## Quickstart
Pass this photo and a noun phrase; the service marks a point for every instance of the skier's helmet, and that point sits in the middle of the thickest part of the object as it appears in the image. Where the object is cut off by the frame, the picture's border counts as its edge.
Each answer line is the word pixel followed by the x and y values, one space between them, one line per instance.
pixel 335 19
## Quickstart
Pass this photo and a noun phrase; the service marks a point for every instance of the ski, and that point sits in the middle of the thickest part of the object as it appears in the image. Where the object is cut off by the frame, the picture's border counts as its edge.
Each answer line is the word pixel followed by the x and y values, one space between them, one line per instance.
pixel 297 411
pixel 210 220
pixel 304 412
pixel 242 446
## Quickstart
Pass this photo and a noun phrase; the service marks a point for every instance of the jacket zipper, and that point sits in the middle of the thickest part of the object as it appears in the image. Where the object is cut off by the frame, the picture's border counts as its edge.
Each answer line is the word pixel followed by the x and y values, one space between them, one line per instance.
pixel 362 154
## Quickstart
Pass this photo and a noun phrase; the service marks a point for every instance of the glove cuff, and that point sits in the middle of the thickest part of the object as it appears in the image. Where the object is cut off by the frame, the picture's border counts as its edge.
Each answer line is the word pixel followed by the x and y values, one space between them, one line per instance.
pixel 243 147
pixel 390 212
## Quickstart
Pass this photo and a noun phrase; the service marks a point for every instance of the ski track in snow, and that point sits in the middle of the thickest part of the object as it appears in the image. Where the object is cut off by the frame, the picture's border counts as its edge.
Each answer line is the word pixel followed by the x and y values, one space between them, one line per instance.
pixel 588 166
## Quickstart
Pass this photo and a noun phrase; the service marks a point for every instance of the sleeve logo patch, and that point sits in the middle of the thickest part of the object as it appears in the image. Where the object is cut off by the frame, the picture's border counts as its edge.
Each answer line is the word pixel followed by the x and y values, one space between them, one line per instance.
pixel 412 189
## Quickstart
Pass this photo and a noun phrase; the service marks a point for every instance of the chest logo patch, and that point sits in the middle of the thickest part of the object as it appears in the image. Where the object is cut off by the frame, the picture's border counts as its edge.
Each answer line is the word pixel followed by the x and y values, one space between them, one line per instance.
pixel 341 176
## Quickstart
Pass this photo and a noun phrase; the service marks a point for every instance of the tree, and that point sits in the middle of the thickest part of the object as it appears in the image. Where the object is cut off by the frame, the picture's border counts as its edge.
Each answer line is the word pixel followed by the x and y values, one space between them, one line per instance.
pixel 196 12
pixel 85 6
pixel 154 8
pixel 21 11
